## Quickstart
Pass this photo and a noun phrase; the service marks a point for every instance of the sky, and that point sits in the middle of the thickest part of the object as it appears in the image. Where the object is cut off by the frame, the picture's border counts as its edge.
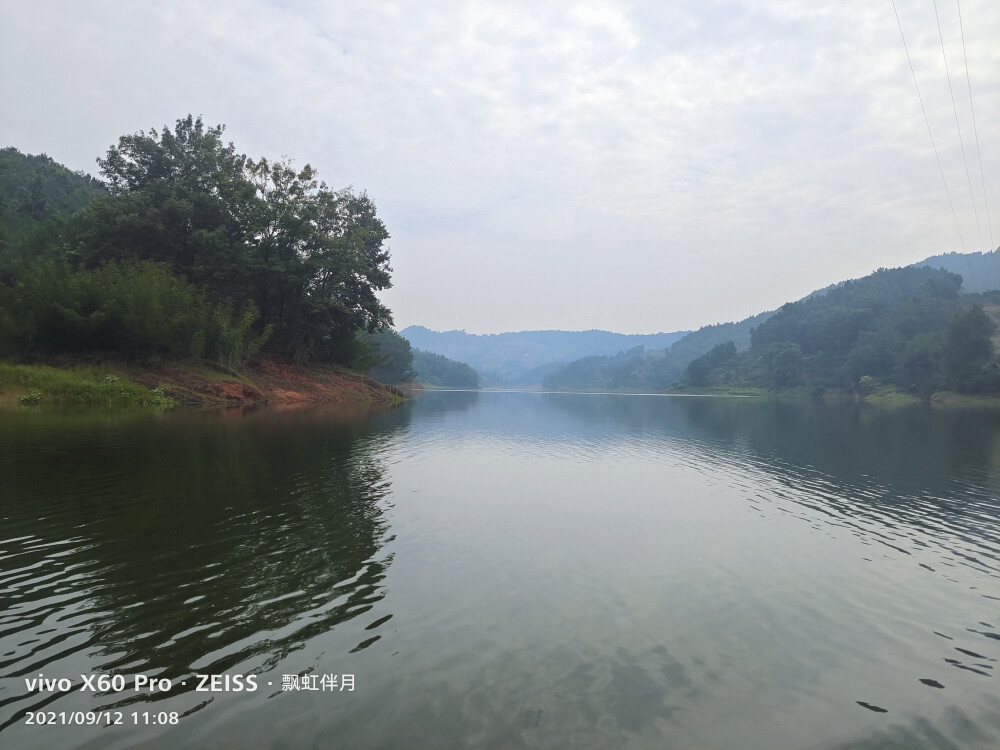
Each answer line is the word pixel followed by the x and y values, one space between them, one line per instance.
pixel 626 166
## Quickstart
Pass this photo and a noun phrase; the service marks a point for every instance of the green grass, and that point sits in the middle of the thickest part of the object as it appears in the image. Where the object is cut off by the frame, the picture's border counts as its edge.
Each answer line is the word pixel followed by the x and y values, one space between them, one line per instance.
pixel 31 385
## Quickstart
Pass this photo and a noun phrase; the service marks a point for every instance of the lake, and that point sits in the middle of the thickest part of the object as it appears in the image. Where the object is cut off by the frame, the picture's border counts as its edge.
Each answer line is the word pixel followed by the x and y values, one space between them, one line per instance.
pixel 502 570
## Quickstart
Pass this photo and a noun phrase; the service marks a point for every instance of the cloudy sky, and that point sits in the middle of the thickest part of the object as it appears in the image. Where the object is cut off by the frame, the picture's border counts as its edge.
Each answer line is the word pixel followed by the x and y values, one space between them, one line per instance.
pixel 629 166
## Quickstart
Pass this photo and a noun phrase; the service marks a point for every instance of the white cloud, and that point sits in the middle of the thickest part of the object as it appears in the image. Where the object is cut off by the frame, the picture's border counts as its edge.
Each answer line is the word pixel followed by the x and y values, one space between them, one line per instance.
pixel 632 166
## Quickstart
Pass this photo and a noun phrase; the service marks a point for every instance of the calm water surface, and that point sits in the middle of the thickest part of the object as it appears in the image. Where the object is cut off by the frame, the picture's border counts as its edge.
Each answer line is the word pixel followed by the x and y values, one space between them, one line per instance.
pixel 507 570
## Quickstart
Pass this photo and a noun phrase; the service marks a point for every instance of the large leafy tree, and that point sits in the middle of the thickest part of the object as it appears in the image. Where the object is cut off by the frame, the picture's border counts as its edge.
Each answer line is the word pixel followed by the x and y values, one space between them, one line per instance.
pixel 967 351
pixel 310 259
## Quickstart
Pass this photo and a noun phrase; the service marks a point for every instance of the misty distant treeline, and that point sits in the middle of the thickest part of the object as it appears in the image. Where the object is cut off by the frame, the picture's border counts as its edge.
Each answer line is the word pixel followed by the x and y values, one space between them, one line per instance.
pixel 642 369
pixel 187 248
pixel 524 358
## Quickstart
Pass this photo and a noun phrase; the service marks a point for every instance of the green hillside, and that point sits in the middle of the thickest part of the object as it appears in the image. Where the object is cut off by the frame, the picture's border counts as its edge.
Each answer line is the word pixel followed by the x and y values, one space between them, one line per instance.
pixel 844 332
pixel 37 197
pixel 907 328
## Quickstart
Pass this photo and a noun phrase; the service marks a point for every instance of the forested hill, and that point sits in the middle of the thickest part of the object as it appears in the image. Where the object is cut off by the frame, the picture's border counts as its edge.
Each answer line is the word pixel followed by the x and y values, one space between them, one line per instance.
pixel 36 196
pixel 907 328
pixel 708 357
pixel 525 357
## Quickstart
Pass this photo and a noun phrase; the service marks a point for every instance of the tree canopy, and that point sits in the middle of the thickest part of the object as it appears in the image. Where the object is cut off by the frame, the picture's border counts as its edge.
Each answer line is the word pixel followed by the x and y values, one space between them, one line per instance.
pixel 394 358
pixel 263 240
pixel 309 258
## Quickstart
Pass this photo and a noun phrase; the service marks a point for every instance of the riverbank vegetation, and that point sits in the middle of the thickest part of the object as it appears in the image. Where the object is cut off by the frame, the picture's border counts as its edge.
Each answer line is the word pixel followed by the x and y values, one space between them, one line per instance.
pixel 109 380
pixel 187 250
pixel 225 254
pixel 32 385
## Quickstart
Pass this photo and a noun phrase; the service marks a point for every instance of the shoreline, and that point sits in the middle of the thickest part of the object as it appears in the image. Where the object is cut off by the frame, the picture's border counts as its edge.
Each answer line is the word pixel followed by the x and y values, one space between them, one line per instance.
pixel 99 380
pixel 884 397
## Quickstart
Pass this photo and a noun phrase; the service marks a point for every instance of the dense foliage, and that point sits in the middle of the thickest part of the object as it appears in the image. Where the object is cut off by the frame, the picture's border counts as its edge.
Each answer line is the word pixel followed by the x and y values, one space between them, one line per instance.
pixel 37 197
pixel 907 327
pixel 267 249
pixel 138 308
pixel 392 357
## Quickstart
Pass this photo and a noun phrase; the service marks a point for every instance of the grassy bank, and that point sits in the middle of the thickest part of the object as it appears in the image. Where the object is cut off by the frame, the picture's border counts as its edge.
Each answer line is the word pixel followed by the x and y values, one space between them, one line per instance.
pixel 31 385
pixel 107 381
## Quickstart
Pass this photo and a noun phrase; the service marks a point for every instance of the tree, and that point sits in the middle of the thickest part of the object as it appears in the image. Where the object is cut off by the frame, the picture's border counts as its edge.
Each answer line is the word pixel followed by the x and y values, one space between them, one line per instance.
pixel 308 258
pixel 138 308
pixel 698 370
pixel 967 349
pixel 784 364
pixel 395 357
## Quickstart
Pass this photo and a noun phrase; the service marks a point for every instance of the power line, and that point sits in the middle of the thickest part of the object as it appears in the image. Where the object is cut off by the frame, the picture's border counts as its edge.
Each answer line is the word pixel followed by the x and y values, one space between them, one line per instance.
pixel 928 123
pixel 954 108
pixel 975 130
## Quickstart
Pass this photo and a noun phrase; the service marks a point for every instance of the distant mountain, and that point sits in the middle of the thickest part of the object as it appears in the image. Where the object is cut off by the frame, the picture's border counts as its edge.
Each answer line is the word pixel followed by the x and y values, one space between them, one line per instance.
pixel 980 272
pixel 524 357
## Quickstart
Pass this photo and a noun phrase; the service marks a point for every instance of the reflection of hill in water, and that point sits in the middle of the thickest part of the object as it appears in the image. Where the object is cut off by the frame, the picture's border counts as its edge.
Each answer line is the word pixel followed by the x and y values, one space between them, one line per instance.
pixel 912 448
pixel 193 544
pixel 905 476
